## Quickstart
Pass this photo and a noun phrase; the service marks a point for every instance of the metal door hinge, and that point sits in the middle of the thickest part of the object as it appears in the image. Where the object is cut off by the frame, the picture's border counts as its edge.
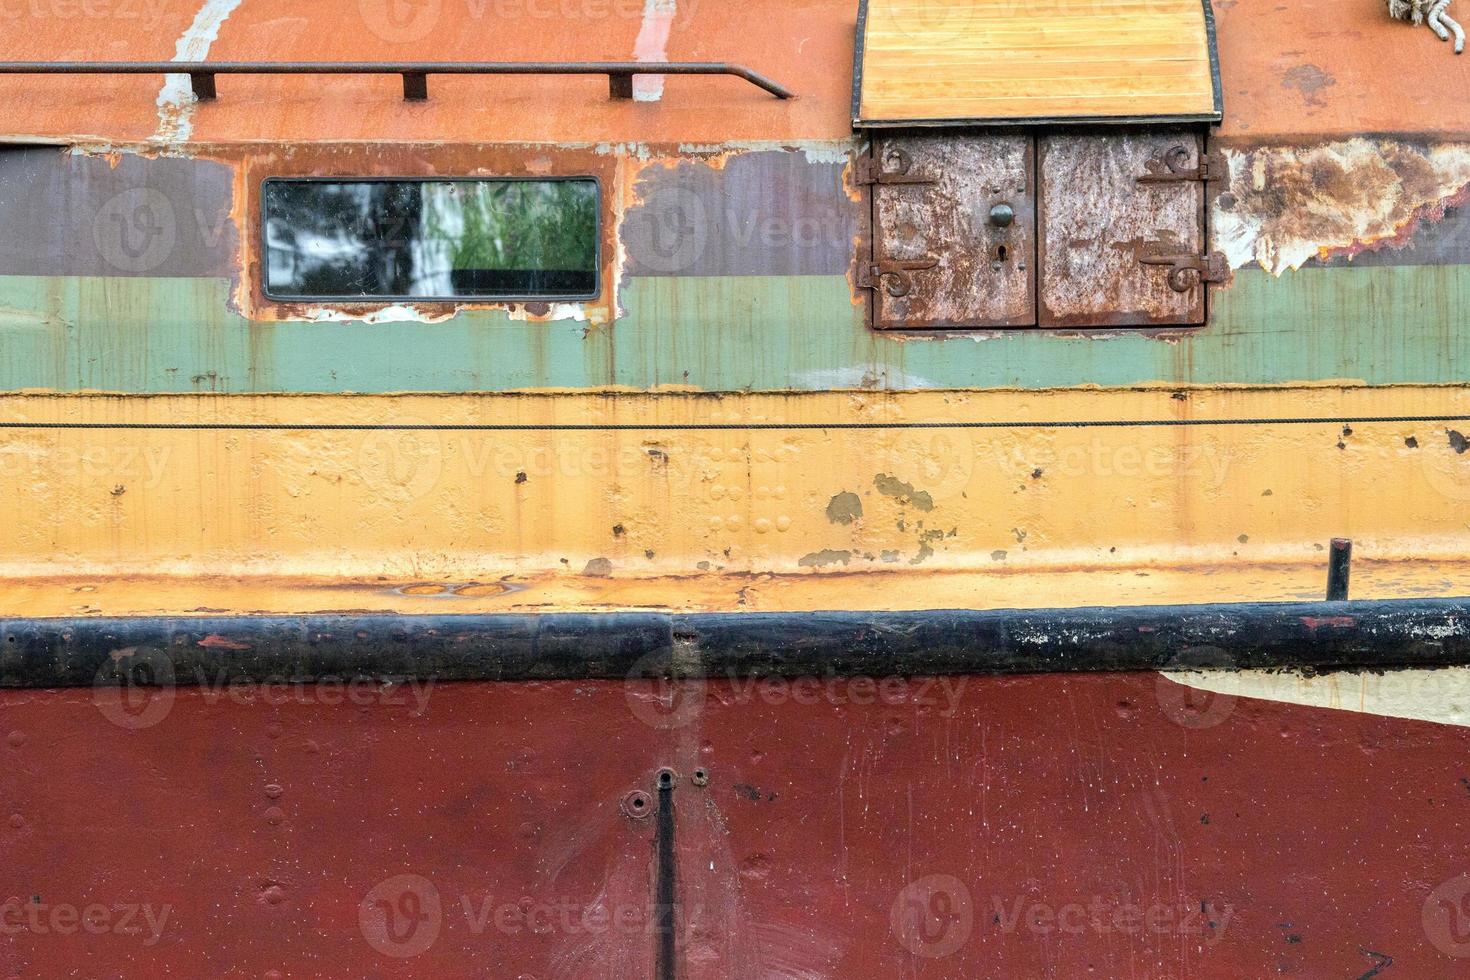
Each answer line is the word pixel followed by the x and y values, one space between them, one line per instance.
pixel 870 170
pixel 893 275
pixel 1188 271
pixel 1174 165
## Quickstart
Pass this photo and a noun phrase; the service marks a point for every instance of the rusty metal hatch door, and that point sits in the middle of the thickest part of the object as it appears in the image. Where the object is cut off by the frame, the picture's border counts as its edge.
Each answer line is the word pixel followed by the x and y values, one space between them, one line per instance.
pixel 1122 239
pixel 953 231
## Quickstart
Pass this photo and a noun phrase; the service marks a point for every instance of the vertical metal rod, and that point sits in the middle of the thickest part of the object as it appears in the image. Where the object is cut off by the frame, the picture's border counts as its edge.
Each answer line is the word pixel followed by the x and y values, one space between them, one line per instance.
pixel 1339 569
pixel 415 86
pixel 619 85
pixel 664 918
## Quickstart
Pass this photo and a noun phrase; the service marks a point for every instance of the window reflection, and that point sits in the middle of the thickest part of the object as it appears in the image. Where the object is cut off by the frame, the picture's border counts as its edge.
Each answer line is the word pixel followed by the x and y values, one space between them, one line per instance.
pixel 441 239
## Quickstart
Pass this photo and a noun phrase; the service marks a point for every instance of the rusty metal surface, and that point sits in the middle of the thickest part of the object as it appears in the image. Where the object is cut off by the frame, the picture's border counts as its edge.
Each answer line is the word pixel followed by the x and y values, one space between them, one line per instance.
pixel 984 273
pixel 1109 825
pixel 1097 221
pixel 1386 201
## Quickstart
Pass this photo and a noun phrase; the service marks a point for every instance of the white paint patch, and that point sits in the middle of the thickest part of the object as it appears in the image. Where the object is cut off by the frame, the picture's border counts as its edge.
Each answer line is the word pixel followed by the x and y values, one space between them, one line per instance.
pixel 387 314
pixel 1439 695
pixel 176 99
pixel 653 45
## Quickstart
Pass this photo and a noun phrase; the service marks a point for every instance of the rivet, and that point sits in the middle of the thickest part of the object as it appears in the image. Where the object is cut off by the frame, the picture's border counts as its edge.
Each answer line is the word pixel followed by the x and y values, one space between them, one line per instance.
pixel 16 739
pixel 274 816
pixel 274 791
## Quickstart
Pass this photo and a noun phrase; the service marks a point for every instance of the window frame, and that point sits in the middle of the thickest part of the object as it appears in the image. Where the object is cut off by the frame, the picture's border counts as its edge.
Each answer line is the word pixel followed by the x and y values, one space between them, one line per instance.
pixel 381 300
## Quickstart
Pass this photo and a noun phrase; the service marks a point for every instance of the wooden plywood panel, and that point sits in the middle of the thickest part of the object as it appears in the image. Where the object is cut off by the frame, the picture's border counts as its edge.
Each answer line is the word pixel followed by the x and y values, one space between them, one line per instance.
pixel 999 60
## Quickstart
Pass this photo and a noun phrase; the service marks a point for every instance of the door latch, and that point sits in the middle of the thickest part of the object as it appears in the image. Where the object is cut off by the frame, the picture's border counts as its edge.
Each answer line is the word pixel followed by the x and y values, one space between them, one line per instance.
pixel 1174 165
pixel 1188 271
pixel 870 170
pixel 893 275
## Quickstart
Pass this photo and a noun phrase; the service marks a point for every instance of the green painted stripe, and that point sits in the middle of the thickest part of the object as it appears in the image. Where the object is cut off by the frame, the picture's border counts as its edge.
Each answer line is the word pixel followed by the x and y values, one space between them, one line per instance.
pixel 1379 325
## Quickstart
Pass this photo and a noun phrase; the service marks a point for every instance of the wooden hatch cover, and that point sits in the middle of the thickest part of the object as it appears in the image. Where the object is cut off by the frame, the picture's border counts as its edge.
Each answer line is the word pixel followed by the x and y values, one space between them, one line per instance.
pixel 956 62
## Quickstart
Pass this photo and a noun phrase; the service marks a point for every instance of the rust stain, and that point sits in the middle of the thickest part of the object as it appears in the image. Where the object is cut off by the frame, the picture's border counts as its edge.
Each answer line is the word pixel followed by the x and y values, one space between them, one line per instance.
pixel 1309 80
pixel 1316 622
pixel 215 641
pixel 1285 205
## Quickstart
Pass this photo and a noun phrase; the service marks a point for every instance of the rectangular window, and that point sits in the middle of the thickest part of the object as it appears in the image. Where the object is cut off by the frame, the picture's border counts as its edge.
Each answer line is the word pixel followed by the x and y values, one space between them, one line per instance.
pixel 344 240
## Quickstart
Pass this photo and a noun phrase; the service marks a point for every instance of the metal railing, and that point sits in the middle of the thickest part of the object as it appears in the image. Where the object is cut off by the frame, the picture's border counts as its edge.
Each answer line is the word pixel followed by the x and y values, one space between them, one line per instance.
pixel 415 75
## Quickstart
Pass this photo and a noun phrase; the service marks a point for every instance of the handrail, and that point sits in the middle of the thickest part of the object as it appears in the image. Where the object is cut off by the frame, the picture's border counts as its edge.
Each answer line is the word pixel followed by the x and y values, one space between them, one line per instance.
pixel 415 73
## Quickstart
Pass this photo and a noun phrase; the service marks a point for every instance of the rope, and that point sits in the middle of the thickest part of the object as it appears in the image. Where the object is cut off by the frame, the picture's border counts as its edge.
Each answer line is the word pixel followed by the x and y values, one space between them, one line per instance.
pixel 1432 12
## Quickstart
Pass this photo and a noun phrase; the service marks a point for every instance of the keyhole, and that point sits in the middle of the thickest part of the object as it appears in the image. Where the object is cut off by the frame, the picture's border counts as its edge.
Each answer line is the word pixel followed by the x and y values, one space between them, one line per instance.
pixel 1002 253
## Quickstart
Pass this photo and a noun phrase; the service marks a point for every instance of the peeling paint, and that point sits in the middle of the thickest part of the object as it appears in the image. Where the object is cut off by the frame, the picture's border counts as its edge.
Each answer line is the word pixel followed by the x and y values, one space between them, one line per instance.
pixel 652 44
pixel 844 508
pixel 904 493
pixel 1441 695
pixel 1286 205
pixel 176 102
pixel 827 556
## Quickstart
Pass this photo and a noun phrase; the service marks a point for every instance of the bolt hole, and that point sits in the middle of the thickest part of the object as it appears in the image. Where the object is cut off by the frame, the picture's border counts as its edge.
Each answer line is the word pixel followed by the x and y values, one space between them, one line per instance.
pixel 665 778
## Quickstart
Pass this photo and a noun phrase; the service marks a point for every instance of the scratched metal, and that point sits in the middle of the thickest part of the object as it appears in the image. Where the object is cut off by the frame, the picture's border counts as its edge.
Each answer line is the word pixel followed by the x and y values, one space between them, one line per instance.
pixel 771 213
pixel 1097 221
pixel 67 214
pixel 967 827
pixel 984 274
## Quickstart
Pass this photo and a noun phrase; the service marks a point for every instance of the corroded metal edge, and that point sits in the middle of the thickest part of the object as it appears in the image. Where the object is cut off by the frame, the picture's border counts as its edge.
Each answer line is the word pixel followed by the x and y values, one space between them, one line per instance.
pixel 189 651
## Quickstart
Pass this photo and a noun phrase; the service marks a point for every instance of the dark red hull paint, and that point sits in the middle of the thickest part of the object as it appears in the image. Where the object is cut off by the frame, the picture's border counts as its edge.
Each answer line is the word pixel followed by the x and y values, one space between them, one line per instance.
pixel 1312 839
